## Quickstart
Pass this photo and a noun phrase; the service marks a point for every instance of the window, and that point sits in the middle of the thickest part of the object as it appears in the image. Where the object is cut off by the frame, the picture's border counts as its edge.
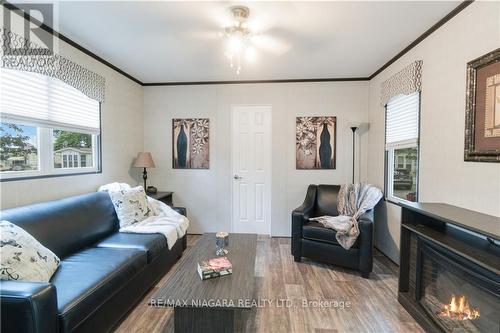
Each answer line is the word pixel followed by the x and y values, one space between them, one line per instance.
pixel 401 161
pixel 401 147
pixel 18 148
pixel 47 127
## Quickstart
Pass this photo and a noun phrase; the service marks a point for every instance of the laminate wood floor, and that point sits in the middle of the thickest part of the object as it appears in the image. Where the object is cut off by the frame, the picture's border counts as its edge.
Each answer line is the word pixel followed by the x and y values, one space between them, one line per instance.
pixel 373 305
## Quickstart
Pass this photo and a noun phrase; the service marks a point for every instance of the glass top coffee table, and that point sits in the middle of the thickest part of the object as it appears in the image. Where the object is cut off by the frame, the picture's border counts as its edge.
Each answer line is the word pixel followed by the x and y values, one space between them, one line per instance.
pixel 212 305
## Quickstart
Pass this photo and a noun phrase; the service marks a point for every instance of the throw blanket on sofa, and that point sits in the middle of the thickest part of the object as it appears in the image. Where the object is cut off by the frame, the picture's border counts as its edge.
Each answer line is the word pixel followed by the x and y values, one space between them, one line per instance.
pixel 165 221
pixel 354 201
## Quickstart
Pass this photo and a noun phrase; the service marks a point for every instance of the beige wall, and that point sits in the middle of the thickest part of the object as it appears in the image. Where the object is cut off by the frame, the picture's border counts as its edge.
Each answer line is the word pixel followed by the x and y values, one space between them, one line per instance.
pixel 444 176
pixel 122 137
pixel 134 117
pixel 207 193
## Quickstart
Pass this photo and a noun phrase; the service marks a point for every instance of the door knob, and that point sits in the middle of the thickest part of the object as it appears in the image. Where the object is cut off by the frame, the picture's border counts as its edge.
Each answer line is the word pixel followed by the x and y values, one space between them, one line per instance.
pixel 236 177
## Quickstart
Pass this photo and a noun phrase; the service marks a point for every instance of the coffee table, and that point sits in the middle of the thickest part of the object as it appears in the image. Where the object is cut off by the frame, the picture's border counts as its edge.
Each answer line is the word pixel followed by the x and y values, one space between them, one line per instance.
pixel 213 305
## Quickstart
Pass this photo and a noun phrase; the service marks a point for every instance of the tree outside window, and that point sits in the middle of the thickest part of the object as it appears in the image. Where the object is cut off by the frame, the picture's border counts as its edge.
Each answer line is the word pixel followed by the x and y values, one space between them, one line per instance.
pixel 18 151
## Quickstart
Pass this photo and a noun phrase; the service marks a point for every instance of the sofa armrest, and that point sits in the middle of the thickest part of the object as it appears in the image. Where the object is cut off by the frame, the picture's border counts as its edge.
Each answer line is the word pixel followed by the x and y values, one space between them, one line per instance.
pixel 365 224
pixel 299 216
pixel 28 307
pixel 180 210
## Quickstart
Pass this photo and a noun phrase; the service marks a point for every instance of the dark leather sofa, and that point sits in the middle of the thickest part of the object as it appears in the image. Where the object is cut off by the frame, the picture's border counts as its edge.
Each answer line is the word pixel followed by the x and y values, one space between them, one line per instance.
pixel 102 275
pixel 312 240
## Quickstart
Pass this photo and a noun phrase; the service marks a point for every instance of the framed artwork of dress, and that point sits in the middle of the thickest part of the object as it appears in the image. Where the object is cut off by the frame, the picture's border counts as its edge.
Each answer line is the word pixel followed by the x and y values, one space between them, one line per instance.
pixel 316 142
pixel 190 143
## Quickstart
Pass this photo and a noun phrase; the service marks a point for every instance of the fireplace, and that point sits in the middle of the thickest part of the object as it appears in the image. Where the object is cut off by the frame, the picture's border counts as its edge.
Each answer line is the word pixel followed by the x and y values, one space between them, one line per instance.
pixel 449 276
pixel 457 295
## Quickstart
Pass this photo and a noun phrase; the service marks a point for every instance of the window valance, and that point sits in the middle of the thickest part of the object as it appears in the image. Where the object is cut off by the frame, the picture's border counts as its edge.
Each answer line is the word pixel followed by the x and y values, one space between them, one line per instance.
pixel 404 82
pixel 46 102
pixel 21 54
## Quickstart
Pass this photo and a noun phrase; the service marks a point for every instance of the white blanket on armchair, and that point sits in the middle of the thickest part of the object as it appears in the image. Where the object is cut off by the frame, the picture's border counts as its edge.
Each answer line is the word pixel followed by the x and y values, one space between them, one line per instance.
pixel 165 221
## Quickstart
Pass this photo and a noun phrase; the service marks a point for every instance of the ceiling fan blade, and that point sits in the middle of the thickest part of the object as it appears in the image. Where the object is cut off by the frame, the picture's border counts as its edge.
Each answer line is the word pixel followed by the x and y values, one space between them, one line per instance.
pixel 263 14
pixel 270 44
pixel 203 35
pixel 219 14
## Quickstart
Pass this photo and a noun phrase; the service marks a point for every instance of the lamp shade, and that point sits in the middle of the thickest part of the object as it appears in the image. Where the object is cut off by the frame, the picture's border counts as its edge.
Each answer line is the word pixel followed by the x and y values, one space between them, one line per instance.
pixel 144 160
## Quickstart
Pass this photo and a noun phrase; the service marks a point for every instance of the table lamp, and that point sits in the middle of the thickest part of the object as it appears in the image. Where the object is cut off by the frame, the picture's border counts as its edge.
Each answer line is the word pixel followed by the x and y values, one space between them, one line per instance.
pixel 144 160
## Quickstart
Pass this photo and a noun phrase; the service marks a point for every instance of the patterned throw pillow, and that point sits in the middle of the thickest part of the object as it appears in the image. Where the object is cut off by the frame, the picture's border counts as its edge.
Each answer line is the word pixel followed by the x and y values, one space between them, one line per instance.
pixel 23 257
pixel 131 205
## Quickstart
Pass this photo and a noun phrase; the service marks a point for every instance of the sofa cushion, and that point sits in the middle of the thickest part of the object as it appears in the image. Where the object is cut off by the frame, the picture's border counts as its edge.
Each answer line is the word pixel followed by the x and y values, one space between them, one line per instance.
pixel 151 244
pixel 87 279
pixel 315 231
pixel 68 225
pixel 22 257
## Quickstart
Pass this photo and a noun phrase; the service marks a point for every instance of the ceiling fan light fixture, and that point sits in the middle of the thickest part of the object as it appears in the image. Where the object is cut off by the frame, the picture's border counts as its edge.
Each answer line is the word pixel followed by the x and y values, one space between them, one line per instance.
pixel 238 37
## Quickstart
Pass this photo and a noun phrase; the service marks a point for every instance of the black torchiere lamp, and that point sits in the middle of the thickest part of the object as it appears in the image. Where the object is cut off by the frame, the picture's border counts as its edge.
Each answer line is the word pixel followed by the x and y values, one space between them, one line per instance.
pixel 353 129
pixel 144 160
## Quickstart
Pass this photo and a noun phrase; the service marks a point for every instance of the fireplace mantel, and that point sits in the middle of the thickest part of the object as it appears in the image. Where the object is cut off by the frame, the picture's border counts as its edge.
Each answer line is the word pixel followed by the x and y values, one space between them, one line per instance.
pixel 468 241
pixel 483 224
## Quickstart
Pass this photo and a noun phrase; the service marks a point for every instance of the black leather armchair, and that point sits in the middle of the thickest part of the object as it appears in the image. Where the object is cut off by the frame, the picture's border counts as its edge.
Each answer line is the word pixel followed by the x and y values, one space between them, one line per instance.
pixel 312 240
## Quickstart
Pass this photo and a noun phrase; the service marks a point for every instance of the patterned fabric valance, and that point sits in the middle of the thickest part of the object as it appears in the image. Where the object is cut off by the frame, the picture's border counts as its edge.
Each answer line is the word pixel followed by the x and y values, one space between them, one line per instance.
pixel 404 82
pixel 21 54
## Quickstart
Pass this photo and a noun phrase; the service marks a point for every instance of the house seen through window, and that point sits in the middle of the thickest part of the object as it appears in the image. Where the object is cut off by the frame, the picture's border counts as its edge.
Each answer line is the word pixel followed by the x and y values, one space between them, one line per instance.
pixel 72 149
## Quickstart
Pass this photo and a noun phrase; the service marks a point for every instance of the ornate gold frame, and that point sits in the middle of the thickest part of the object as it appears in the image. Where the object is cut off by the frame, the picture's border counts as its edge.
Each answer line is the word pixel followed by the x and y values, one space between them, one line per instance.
pixel 470 152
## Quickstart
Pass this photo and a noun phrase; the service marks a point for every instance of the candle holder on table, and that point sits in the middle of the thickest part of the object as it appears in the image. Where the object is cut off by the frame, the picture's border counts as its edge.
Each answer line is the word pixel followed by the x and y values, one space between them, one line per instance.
pixel 221 241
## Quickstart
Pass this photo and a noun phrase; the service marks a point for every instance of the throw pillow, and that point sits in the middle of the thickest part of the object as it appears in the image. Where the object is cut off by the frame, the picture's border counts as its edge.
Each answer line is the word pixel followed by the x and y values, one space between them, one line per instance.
pixel 131 205
pixel 23 257
pixel 114 187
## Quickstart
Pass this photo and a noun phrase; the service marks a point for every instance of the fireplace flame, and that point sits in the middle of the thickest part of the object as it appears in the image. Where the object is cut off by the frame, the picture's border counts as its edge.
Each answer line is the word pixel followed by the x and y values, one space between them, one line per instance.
pixel 459 309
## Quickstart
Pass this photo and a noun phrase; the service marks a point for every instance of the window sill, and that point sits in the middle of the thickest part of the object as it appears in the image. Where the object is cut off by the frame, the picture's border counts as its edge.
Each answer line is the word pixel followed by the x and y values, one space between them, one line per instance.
pixel 397 202
pixel 2 180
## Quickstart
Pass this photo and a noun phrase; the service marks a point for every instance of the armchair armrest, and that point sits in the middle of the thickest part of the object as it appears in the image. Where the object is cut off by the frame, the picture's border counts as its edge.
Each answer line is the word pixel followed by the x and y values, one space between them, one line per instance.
pixel 307 206
pixel 182 211
pixel 28 306
pixel 367 217
pixel 299 216
pixel 365 224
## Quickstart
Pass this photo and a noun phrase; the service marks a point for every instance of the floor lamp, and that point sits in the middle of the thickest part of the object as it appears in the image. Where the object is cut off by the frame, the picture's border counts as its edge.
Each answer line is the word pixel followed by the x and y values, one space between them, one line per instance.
pixel 353 129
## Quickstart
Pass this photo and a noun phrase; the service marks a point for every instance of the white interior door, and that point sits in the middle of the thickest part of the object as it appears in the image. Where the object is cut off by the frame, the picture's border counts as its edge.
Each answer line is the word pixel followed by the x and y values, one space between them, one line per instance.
pixel 251 164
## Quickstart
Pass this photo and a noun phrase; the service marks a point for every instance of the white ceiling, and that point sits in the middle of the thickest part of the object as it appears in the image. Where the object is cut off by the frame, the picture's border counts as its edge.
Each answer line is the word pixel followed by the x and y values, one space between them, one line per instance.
pixel 179 41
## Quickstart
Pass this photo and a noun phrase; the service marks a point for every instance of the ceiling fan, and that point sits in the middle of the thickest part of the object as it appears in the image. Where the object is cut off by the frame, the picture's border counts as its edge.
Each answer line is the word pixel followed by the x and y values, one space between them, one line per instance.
pixel 245 38
pixel 239 36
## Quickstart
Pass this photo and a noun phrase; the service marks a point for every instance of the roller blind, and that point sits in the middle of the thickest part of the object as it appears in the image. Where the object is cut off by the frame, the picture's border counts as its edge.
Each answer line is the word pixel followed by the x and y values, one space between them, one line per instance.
pixel 46 102
pixel 401 127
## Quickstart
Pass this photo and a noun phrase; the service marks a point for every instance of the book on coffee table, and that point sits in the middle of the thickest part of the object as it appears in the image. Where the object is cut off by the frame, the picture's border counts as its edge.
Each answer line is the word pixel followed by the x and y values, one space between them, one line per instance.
pixel 215 267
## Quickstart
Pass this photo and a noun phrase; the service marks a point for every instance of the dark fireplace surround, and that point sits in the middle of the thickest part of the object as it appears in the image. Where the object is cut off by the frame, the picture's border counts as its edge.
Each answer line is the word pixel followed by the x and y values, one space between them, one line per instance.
pixel 450 268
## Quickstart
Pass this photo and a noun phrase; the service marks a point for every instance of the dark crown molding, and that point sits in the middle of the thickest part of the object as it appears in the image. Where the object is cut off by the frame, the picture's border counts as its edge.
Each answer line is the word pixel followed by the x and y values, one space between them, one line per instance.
pixel 191 83
pixel 423 36
pixel 426 34
pixel 65 39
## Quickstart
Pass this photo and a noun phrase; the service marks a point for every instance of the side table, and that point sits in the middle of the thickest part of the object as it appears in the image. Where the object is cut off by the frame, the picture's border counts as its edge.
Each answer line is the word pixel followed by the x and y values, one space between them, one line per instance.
pixel 165 197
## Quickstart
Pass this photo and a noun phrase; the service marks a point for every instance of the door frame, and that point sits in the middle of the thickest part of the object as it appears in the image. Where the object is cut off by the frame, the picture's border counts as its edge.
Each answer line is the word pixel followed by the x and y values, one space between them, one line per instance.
pixel 231 119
